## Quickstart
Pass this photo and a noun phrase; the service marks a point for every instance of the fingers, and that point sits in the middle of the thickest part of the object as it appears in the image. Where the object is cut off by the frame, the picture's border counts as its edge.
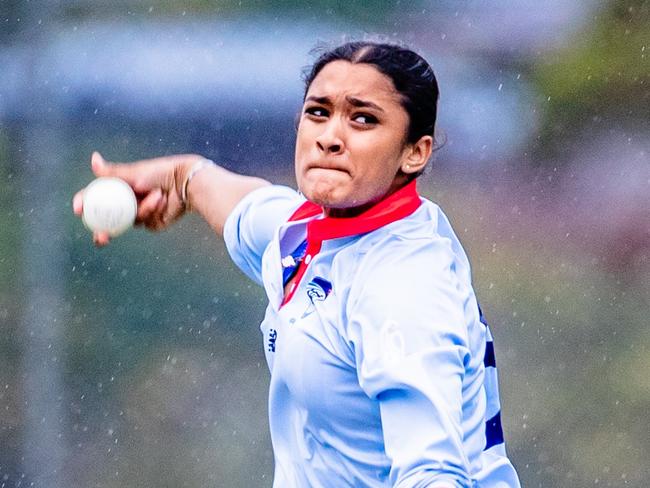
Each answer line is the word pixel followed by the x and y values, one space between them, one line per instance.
pixel 159 218
pixel 152 180
pixel 77 203
pixel 101 239
pixel 154 211
pixel 149 205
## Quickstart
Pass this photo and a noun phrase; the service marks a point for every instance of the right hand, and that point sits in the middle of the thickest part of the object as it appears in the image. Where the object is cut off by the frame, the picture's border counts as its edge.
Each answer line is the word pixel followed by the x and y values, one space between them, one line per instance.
pixel 156 183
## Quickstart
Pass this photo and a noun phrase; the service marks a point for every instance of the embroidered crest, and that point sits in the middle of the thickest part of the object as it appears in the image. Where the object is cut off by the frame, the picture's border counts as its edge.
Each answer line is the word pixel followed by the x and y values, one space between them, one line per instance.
pixel 318 290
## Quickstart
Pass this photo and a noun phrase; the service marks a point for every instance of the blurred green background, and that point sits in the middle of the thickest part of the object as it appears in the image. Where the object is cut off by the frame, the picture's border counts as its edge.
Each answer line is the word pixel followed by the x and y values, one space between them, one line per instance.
pixel 141 365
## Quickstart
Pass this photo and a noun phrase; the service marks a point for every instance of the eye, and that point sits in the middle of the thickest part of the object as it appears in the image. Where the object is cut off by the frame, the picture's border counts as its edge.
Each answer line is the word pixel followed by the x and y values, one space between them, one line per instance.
pixel 316 111
pixel 364 119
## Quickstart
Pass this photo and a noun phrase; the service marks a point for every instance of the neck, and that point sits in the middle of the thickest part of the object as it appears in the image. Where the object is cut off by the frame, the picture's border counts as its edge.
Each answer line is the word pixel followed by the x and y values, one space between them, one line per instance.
pixel 342 213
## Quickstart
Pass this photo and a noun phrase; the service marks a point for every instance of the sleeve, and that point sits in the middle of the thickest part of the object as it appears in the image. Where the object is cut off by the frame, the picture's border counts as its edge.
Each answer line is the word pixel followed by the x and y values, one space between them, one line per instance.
pixel 250 226
pixel 407 328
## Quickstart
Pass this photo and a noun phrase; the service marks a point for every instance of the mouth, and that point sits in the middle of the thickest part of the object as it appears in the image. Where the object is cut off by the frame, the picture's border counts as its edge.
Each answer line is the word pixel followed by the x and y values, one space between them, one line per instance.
pixel 327 166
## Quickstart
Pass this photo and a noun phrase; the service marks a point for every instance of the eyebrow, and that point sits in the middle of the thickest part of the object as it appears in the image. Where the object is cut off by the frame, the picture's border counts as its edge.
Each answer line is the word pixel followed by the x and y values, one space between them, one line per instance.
pixel 319 100
pixel 356 102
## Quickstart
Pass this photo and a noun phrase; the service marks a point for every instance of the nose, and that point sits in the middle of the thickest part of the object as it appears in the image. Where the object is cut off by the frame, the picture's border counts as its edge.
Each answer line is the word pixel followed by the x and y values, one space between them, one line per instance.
pixel 330 141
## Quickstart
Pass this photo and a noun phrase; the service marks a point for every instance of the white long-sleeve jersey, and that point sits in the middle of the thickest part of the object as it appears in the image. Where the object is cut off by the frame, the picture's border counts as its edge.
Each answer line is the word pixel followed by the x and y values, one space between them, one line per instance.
pixel 382 366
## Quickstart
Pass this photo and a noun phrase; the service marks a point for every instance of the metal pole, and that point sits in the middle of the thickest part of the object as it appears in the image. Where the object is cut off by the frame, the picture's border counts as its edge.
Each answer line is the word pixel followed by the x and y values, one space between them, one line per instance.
pixel 43 345
pixel 43 255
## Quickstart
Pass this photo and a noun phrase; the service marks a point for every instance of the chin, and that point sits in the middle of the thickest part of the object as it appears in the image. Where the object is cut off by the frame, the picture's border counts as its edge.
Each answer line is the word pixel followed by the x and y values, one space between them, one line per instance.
pixel 333 199
pixel 324 191
pixel 323 197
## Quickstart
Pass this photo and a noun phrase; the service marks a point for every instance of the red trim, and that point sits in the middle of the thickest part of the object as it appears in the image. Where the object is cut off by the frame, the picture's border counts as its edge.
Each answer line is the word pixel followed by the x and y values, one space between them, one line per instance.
pixel 307 209
pixel 395 207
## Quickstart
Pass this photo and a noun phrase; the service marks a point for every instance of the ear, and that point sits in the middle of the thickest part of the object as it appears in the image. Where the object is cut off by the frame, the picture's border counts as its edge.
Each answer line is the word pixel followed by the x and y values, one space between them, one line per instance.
pixel 416 156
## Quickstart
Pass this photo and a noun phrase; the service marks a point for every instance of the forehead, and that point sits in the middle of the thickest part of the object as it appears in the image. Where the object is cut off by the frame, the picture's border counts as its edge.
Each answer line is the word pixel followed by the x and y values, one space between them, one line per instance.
pixel 342 78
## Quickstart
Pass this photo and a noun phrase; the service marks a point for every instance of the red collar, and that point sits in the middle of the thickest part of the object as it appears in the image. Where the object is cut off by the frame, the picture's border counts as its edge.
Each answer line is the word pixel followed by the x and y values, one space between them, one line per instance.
pixel 396 206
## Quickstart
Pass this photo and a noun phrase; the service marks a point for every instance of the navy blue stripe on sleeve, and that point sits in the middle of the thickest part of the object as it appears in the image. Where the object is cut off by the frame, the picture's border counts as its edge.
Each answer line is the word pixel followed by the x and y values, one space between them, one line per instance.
pixel 489 359
pixel 482 317
pixel 493 431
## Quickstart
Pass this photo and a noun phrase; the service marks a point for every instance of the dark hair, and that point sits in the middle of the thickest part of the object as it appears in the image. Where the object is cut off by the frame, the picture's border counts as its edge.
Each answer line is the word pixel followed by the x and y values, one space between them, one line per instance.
pixel 411 75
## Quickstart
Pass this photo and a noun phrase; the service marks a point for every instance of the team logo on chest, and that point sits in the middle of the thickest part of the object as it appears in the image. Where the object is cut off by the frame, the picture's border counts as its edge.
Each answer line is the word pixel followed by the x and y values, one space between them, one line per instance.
pixel 318 290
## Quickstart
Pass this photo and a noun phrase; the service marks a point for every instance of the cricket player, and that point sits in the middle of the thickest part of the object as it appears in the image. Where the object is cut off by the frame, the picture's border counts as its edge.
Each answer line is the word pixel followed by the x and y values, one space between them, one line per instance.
pixel 383 371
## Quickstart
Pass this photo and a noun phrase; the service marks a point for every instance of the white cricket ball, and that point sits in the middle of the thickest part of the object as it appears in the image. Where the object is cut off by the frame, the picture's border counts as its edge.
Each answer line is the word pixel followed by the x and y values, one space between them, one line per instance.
pixel 109 205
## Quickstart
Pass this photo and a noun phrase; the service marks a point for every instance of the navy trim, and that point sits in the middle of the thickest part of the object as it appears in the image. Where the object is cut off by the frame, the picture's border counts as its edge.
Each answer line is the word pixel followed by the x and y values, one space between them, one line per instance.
pixel 323 283
pixel 493 431
pixel 298 254
pixel 481 316
pixel 489 359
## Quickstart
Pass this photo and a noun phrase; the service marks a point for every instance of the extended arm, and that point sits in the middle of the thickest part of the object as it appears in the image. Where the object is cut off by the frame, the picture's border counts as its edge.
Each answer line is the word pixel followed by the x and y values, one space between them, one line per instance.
pixel 212 192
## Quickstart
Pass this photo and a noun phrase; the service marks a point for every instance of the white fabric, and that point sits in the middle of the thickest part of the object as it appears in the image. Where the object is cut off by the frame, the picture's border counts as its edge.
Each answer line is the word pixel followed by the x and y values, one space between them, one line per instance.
pixel 381 382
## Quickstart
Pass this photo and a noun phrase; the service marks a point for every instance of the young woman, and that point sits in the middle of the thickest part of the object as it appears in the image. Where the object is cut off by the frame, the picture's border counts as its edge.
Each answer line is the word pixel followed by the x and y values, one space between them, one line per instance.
pixel 382 366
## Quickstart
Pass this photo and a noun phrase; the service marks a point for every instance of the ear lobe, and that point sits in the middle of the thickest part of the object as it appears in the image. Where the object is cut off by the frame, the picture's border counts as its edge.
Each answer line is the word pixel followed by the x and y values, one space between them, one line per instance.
pixel 418 155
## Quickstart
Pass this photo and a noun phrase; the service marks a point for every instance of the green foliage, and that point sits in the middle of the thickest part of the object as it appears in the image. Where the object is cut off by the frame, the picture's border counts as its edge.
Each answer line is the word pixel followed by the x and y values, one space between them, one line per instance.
pixel 356 11
pixel 571 342
pixel 601 77
pixel 9 235
pixel 10 307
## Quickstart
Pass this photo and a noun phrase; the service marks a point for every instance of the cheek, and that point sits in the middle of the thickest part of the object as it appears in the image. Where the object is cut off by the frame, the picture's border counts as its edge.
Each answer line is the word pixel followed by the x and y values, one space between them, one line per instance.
pixel 379 160
pixel 302 146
